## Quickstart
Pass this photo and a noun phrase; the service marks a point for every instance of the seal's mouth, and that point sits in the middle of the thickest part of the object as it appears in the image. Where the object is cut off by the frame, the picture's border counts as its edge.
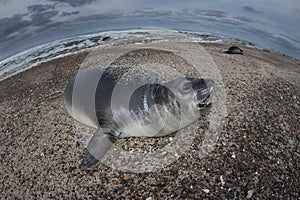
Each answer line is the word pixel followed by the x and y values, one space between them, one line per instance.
pixel 206 103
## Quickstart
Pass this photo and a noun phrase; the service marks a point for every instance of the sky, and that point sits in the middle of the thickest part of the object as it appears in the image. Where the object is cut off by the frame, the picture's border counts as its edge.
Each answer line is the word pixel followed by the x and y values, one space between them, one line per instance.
pixel 268 23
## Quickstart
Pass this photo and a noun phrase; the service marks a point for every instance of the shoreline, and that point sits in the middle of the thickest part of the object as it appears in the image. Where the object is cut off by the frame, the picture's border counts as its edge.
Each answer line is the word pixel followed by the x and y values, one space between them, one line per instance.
pixel 257 153
pixel 75 45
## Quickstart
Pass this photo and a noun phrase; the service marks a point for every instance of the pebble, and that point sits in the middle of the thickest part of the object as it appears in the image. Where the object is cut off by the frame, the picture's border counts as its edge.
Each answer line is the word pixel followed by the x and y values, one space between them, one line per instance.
pixel 222 180
pixel 185 181
pixel 126 178
pixel 71 168
pixel 164 153
pixel 177 155
pixel 206 191
pixel 228 184
pixel 250 194
pixel 245 163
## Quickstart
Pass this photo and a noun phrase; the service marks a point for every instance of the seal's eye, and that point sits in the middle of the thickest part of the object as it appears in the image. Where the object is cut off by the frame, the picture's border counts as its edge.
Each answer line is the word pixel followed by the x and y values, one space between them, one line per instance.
pixel 186 86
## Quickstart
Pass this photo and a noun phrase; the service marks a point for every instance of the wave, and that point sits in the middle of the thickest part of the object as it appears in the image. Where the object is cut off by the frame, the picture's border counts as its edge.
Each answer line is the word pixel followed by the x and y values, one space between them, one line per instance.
pixel 60 48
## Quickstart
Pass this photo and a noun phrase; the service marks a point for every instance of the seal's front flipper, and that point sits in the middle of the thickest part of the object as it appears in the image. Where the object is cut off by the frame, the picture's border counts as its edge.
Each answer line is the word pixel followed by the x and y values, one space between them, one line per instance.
pixel 97 148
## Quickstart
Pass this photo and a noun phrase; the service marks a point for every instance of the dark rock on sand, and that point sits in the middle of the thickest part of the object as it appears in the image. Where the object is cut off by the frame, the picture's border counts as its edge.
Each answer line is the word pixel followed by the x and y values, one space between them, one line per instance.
pixel 234 50
pixel 106 38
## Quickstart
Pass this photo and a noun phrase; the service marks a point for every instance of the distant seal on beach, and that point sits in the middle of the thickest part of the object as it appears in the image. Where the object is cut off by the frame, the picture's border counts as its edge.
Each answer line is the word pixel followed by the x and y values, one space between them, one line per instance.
pixel 234 50
pixel 121 106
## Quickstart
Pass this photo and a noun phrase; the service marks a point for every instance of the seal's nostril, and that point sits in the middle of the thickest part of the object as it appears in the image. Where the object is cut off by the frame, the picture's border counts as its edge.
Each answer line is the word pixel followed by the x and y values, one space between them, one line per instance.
pixel 204 91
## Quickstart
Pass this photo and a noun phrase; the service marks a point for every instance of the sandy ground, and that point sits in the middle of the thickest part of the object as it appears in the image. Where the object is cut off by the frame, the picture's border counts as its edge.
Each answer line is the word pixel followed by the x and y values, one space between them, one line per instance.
pixel 256 155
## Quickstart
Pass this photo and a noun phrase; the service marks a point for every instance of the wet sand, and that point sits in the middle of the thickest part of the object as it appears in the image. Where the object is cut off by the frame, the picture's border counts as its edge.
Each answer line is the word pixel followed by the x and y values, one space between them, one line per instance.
pixel 256 155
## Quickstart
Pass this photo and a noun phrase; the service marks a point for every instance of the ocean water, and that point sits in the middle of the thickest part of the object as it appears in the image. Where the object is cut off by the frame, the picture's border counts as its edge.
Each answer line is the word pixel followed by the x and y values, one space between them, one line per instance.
pixel 60 48
pixel 36 31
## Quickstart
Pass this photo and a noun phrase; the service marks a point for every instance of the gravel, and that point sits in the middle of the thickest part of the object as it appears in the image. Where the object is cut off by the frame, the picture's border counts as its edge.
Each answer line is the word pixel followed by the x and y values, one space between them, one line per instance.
pixel 255 157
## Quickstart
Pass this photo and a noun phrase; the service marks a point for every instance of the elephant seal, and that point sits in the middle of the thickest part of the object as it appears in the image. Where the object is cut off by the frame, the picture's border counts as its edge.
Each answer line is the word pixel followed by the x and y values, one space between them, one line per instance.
pixel 234 50
pixel 121 106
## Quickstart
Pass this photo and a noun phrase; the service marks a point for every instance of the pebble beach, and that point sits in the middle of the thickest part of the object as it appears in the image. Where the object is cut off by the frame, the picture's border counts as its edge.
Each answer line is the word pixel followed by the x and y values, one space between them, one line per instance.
pixel 256 154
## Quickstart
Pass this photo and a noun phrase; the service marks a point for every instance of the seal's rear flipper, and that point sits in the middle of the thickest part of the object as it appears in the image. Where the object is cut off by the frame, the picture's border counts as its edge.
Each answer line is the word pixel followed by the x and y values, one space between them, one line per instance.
pixel 97 148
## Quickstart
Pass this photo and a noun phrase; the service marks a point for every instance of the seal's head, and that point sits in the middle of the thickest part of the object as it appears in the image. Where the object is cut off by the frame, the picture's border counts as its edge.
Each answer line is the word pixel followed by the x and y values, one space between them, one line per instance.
pixel 202 89
pixel 194 91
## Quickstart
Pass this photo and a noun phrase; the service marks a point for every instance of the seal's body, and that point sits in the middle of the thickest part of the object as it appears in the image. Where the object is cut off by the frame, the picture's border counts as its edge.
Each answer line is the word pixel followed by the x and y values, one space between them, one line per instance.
pixel 122 106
